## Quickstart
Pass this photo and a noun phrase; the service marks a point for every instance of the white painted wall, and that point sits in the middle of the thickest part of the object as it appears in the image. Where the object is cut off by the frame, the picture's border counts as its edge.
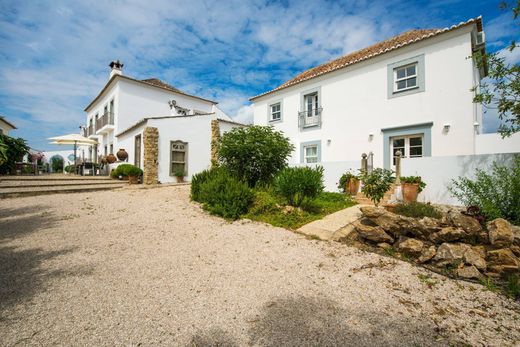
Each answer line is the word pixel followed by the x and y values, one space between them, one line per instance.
pixel 4 127
pixel 64 154
pixel 333 170
pixel 438 172
pixel 355 102
pixel 494 143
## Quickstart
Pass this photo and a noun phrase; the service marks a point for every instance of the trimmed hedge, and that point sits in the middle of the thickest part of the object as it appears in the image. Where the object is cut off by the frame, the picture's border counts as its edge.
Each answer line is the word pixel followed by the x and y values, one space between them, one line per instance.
pixel 126 170
pixel 297 184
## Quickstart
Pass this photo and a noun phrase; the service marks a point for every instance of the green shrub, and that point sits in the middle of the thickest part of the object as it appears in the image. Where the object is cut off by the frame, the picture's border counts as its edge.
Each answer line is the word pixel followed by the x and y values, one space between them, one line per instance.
pixel 69 168
pixel 344 179
pixel 126 170
pixel 57 164
pixel 496 193
pixel 12 150
pixel 377 183
pixel 513 286
pixel 264 202
pixel 198 179
pixel 225 195
pixel 414 179
pixel 296 184
pixel 417 210
pixel 254 154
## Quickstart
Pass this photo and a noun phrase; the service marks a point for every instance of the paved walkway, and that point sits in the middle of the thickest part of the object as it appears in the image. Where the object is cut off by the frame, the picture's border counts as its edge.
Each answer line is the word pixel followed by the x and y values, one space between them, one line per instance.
pixel 147 267
pixel 334 226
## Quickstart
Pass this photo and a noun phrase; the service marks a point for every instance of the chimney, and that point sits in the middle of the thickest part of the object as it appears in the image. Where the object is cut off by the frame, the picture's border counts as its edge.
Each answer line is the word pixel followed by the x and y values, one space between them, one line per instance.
pixel 117 68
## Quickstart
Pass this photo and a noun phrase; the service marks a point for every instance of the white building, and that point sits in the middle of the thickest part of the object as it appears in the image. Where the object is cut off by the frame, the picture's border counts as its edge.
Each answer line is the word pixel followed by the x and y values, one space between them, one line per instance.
pixel 5 126
pixel 410 93
pixel 125 107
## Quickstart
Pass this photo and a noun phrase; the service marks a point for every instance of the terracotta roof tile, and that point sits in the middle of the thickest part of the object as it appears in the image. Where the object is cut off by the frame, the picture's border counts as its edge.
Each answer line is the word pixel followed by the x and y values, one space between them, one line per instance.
pixel 379 48
pixel 157 82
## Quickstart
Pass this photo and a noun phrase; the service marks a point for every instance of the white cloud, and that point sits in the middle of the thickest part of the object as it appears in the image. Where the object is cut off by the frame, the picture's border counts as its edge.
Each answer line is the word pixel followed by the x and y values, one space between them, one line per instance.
pixel 244 114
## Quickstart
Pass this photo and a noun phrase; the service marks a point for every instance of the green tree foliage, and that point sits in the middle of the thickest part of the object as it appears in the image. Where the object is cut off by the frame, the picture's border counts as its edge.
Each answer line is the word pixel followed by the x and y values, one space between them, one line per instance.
pixel 496 193
pixel 255 154
pixel 376 184
pixel 12 151
pixel 57 164
pixel 501 90
pixel 297 184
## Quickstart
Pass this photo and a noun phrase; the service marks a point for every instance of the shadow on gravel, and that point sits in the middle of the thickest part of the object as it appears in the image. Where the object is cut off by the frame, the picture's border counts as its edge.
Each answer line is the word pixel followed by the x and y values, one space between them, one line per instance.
pixel 310 321
pixel 21 221
pixel 23 274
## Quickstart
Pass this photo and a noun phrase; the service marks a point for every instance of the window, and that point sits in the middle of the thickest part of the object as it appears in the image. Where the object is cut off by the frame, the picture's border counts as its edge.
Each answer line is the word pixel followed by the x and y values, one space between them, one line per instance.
pixel 111 148
pixel 311 154
pixel 137 151
pixel 310 111
pixel 409 146
pixel 311 105
pixel 276 112
pixel 106 151
pixel 111 106
pixel 105 109
pixel 405 77
pixel 178 157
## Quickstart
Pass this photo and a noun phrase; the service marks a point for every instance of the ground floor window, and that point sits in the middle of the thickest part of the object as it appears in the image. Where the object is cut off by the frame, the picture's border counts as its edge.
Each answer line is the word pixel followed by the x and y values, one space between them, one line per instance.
pixel 410 146
pixel 111 148
pixel 311 154
pixel 178 158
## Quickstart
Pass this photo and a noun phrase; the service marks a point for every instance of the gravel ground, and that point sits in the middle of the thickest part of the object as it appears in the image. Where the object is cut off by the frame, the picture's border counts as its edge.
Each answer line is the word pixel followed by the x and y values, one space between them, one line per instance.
pixel 143 267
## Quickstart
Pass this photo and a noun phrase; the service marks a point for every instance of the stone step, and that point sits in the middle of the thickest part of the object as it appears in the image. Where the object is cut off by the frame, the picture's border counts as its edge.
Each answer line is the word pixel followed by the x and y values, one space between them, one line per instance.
pixel 32 191
pixel 56 177
pixel 50 183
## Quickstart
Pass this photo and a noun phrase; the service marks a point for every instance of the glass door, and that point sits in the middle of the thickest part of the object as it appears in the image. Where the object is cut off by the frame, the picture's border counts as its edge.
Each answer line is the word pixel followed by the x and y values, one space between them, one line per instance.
pixel 410 146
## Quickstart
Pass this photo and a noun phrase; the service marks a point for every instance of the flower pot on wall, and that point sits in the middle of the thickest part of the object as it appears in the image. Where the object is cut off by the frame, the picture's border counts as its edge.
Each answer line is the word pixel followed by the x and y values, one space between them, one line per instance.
pixel 122 154
pixel 111 158
pixel 133 179
pixel 353 186
pixel 180 179
pixel 410 191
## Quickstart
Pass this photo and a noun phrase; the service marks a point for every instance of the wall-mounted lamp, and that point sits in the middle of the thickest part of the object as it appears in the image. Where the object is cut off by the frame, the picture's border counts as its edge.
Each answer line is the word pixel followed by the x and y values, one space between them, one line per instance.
pixel 329 141
pixel 446 127
pixel 370 137
pixel 476 124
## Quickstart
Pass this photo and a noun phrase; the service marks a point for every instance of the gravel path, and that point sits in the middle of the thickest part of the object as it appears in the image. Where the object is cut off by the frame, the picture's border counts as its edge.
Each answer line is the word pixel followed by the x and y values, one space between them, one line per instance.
pixel 143 267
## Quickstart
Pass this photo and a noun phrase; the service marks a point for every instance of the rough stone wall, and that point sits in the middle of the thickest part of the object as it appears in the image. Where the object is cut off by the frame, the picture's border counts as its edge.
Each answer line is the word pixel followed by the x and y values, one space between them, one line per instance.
pixel 151 152
pixel 215 138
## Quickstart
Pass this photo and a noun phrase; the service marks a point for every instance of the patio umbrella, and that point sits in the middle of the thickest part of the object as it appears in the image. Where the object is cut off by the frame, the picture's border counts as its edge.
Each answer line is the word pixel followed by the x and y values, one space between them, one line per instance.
pixel 72 139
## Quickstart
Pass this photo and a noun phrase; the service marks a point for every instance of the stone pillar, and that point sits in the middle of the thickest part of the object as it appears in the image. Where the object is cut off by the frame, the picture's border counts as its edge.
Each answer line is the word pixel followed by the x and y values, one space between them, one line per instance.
pixel 364 163
pixel 215 139
pixel 398 155
pixel 151 152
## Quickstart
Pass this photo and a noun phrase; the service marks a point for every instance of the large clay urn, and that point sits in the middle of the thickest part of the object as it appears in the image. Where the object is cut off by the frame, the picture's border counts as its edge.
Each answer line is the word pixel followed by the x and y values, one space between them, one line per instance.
pixel 353 186
pixel 111 158
pixel 410 191
pixel 122 154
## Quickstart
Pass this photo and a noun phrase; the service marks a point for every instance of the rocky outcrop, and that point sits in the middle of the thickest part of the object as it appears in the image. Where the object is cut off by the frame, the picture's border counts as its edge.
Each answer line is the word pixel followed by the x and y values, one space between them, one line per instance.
pixel 455 242
pixel 500 233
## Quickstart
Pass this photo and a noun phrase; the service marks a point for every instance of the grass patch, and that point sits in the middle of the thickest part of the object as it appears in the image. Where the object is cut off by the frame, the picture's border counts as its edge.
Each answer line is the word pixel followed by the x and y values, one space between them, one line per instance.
pixel 489 283
pixel 269 208
pixel 417 210
pixel 513 287
pixel 426 279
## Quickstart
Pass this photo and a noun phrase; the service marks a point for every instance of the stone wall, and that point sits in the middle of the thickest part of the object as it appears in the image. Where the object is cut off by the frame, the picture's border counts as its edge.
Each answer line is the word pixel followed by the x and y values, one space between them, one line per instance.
pixel 151 152
pixel 215 138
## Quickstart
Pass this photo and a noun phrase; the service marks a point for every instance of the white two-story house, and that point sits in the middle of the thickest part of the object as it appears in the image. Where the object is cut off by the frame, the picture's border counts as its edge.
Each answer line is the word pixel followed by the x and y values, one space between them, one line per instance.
pixel 118 116
pixel 410 93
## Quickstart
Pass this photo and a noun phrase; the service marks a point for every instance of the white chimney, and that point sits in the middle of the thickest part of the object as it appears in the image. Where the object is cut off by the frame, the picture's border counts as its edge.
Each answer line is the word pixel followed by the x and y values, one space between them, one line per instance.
pixel 116 68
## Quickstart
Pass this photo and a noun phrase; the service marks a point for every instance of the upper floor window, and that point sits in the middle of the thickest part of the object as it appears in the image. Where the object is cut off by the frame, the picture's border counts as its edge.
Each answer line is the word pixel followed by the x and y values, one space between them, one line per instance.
pixel 311 104
pixel 275 112
pixel 111 106
pixel 310 114
pixel 105 109
pixel 406 77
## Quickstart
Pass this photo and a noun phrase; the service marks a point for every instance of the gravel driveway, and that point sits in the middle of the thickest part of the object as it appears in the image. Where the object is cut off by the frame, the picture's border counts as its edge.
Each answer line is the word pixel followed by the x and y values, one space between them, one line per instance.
pixel 146 267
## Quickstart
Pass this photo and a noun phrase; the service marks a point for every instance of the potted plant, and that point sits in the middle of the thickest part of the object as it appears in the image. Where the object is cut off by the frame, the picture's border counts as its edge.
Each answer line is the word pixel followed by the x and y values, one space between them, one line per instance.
pixel 127 170
pixel 179 174
pixel 349 182
pixel 411 187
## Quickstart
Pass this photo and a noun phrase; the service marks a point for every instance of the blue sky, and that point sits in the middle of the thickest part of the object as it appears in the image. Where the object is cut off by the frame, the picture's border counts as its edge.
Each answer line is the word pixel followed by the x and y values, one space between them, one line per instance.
pixel 54 54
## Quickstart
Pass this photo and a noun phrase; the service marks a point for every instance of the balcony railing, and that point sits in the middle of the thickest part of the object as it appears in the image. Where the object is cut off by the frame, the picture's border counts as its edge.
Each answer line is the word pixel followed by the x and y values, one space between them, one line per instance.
pixel 310 118
pixel 105 119
pixel 90 130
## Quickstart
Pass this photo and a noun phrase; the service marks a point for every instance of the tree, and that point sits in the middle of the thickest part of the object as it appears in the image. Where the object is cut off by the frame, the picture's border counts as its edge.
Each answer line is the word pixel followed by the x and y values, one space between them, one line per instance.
pixel 255 153
pixel 501 90
pixel 12 151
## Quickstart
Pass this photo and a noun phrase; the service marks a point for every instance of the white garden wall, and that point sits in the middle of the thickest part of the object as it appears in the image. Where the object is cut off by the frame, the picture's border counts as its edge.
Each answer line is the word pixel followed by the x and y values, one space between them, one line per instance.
pixel 494 143
pixel 334 170
pixel 438 172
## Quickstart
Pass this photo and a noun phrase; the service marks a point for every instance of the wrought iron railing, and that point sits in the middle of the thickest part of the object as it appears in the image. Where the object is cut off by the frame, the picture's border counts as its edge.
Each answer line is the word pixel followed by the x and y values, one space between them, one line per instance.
pixel 310 118
pixel 90 130
pixel 105 119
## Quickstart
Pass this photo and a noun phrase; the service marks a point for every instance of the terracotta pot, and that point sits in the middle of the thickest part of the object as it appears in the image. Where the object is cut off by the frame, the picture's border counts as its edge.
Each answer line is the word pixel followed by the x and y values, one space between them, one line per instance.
pixel 353 186
pixel 180 179
pixel 111 158
pixel 410 191
pixel 133 179
pixel 122 154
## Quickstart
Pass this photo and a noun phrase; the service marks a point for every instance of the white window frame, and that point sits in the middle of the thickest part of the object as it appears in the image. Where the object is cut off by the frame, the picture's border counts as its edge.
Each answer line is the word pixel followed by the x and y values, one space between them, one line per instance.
pixel 272 113
pixel 419 62
pixel 307 157
pixel 185 162
pixel 406 77
pixel 406 149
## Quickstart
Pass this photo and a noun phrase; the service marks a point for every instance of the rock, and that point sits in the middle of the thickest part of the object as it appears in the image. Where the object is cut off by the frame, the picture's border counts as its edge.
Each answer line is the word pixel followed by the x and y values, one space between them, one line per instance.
pixel 503 261
pixel 516 234
pixel 427 254
pixel 430 225
pixel 500 233
pixel 391 223
pixel 372 233
pixel 384 245
pixel 468 272
pixel 448 234
pixel 469 224
pixel 372 211
pixel 473 257
pixel 450 253
pixel 411 246
pixel 516 250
